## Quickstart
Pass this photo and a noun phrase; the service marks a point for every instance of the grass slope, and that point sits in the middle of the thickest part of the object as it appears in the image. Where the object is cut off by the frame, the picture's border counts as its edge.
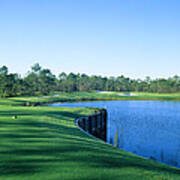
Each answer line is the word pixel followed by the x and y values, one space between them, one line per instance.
pixel 82 96
pixel 44 143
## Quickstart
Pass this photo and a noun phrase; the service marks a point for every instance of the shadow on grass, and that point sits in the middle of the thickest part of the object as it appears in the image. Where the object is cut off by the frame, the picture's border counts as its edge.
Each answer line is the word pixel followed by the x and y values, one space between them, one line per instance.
pixel 32 146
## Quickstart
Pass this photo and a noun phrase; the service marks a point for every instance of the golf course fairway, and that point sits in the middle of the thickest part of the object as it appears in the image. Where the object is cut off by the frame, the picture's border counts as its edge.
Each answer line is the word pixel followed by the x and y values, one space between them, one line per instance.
pixel 44 143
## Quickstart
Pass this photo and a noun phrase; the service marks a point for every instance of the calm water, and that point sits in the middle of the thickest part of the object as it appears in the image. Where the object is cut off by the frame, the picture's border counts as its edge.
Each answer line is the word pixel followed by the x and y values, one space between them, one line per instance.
pixel 146 128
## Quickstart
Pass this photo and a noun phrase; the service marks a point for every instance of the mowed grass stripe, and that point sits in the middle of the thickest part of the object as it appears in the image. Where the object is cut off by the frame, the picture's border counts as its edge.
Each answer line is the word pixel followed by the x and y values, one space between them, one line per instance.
pixel 44 143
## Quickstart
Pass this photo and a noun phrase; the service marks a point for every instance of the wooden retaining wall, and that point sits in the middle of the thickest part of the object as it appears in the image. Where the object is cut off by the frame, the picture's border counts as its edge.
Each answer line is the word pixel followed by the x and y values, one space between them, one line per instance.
pixel 95 124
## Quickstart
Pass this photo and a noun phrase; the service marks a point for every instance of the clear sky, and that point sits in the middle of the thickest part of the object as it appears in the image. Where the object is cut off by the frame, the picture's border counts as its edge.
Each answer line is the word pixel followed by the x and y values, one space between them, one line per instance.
pixel 136 38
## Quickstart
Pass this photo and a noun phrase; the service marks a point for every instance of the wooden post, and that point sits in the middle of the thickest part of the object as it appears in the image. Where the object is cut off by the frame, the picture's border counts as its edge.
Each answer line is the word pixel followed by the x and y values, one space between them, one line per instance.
pixel 80 122
pixel 90 124
pixel 105 125
pixel 96 125
pixel 115 139
pixel 83 123
pixel 99 125
pixel 86 123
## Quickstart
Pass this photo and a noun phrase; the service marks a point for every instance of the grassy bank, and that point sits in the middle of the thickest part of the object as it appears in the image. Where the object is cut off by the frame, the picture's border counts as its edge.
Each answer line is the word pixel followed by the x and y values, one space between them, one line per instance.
pixel 44 143
pixel 86 96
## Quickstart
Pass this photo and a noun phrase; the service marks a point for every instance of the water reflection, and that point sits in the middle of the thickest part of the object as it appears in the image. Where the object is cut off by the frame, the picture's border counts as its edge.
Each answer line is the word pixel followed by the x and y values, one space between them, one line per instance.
pixel 146 128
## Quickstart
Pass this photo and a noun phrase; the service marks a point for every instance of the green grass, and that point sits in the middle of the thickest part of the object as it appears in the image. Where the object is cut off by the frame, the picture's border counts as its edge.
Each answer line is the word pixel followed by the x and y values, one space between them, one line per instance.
pixel 86 96
pixel 44 143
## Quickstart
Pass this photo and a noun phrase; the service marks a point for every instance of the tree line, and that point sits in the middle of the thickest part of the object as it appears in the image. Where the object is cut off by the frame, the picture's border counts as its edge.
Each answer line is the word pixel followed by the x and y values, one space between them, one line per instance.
pixel 39 81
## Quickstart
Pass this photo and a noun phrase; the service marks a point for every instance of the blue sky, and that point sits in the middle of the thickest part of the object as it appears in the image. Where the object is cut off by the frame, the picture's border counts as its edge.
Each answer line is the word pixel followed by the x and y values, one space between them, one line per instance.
pixel 136 38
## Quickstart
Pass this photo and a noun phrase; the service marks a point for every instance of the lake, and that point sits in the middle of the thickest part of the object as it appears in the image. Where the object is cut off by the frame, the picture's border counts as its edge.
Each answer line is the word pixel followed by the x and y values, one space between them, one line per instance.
pixel 147 128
